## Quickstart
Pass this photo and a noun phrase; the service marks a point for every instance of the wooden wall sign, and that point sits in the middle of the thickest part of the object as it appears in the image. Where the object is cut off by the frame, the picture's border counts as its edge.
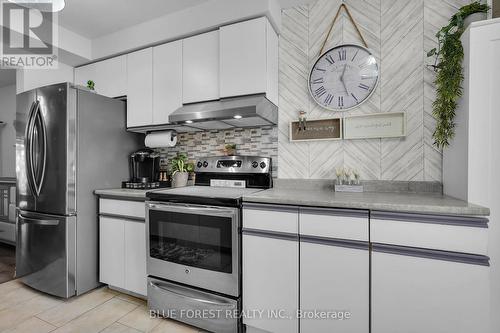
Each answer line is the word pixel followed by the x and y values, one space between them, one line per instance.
pixel 378 125
pixel 316 129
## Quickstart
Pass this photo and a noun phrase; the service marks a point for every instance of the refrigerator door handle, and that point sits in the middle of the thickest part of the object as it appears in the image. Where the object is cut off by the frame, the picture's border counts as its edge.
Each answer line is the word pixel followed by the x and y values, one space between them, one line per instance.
pixel 28 144
pixel 43 132
pixel 37 221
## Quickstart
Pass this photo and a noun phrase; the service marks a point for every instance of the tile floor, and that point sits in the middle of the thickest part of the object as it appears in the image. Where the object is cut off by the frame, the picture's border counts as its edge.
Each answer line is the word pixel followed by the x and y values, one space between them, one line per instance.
pixel 23 309
pixel 7 262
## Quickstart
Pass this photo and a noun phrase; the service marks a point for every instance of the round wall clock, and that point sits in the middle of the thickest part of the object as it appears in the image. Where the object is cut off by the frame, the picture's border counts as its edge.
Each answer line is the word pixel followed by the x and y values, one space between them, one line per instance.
pixel 343 77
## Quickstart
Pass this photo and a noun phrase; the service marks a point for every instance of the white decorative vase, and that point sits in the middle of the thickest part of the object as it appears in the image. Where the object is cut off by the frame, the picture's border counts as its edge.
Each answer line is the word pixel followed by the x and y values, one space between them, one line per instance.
pixel 180 179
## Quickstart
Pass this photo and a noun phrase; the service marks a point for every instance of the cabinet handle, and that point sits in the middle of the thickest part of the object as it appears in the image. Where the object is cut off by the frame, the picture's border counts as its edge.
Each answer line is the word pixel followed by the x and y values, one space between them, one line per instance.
pixel 338 242
pixel 270 234
pixel 464 258
pixel 465 221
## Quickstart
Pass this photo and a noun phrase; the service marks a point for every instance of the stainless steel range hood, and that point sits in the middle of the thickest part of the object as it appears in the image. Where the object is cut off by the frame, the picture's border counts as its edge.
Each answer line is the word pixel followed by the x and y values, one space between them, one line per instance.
pixel 245 111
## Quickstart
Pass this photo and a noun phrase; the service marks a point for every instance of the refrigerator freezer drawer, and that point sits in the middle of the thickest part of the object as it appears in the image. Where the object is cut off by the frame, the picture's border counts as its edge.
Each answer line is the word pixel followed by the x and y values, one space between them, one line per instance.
pixel 45 252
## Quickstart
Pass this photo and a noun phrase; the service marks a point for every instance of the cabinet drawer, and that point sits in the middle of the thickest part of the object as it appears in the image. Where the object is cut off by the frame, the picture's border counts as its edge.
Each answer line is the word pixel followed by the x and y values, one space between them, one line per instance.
pixel 334 223
pixel 124 208
pixel 448 233
pixel 271 218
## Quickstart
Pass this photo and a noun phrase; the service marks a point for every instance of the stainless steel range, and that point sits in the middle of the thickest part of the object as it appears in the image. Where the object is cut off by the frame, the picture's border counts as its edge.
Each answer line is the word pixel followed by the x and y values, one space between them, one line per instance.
pixel 194 242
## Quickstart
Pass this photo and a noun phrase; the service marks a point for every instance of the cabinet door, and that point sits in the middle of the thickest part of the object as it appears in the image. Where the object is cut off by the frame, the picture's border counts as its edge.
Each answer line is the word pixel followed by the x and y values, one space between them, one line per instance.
pixel 270 283
pixel 109 76
pixel 167 80
pixel 135 257
pixel 140 88
pixel 111 251
pixel 200 68
pixel 243 58
pixel 334 277
pixel 417 290
pixel 334 270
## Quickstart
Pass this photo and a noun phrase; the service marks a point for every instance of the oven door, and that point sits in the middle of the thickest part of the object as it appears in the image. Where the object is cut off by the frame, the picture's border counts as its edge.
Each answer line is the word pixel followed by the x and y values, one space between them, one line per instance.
pixel 194 245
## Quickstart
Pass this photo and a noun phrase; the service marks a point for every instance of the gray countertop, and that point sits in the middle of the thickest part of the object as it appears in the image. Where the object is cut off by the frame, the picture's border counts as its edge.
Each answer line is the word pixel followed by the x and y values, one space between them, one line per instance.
pixel 431 203
pixel 124 193
pixel 426 202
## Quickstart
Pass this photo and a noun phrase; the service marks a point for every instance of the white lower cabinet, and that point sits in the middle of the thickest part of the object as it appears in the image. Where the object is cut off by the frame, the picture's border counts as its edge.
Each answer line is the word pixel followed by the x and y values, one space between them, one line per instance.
pixel 415 291
pixel 135 257
pixel 334 271
pixel 334 288
pixel 321 262
pixel 122 251
pixel 270 274
pixel 270 283
pixel 111 256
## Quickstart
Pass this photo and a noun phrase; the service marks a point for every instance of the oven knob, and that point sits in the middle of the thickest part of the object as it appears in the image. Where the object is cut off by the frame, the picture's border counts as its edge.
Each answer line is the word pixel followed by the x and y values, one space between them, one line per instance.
pixel 262 165
pixel 199 164
pixel 255 164
pixel 205 164
pixel 187 271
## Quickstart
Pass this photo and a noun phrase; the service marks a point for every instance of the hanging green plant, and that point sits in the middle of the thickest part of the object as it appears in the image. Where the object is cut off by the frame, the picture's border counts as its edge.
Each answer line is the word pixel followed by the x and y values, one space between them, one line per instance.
pixel 448 65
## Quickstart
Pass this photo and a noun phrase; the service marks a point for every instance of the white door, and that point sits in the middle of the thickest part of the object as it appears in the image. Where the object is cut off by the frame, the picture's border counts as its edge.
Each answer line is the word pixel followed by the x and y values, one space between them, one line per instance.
pixel 135 257
pixel 140 88
pixel 200 68
pixel 109 76
pixel 111 251
pixel 334 280
pixel 243 58
pixel 270 283
pixel 167 80
pixel 418 290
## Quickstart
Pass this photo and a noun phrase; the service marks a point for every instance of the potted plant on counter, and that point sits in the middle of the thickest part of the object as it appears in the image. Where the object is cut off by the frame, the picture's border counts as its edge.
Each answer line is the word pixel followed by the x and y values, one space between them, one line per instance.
pixel 229 149
pixel 180 170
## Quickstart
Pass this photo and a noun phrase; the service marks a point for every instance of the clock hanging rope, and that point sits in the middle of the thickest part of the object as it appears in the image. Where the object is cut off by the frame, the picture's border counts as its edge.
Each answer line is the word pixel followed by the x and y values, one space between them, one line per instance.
pixel 344 76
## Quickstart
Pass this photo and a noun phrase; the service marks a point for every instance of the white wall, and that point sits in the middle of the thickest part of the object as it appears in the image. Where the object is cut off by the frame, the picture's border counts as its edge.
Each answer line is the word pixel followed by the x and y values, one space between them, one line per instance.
pixel 27 79
pixel 8 132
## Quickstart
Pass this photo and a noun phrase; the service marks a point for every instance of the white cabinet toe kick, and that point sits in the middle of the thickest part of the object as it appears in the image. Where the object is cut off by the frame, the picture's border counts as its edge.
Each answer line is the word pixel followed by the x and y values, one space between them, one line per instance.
pixel 345 270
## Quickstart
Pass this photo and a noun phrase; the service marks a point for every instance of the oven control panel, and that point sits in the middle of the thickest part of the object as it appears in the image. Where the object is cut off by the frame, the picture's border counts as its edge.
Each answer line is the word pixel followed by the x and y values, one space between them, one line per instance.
pixel 234 164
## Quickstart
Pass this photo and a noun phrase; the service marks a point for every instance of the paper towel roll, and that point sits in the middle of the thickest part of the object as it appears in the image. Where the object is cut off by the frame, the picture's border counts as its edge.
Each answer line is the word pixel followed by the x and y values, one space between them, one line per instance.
pixel 161 139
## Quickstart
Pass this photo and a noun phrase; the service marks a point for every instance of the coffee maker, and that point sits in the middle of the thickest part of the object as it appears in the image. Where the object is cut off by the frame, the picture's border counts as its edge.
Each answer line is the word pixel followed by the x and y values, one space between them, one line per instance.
pixel 144 167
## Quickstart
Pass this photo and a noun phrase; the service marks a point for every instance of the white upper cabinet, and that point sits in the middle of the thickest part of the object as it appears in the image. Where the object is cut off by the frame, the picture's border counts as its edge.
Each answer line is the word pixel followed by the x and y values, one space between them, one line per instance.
pixel 109 76
pixel 140 88
pixel 249 59
pixel 167 80
pixel 200 68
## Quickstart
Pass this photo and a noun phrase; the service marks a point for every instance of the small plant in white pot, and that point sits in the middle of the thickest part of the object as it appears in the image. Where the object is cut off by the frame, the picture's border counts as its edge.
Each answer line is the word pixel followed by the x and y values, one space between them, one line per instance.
pixel 180 170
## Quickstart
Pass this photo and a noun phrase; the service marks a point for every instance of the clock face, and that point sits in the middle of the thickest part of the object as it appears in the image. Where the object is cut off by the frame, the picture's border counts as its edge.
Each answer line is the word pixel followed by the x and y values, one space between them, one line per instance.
pixel 343 77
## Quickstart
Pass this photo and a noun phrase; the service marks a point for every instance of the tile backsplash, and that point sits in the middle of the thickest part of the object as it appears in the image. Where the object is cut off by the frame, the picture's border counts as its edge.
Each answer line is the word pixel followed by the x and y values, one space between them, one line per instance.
pixel 261 141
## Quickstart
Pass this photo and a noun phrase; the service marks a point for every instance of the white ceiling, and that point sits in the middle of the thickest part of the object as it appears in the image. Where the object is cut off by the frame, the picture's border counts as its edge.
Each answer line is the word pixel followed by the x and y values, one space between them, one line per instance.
pixel 7 77
pixel 94 18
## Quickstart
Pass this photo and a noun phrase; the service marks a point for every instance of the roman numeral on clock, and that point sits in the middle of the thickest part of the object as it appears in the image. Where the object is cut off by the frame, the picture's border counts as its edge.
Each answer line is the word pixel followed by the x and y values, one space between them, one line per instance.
pixel 363 86
pixel 355 98
pixel 318 80
pixel 320 92
pixel 328 99
pixel 329 58
pixel 342 55
pixel 341 101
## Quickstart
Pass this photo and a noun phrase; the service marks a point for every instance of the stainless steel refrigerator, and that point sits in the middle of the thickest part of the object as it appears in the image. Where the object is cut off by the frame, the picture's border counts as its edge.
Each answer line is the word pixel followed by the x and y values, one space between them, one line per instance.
pixel 69 142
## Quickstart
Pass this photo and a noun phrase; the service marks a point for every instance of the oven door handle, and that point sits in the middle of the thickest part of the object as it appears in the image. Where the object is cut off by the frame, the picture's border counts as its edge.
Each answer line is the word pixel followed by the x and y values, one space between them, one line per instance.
pixel 195 299
pixel 191 208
